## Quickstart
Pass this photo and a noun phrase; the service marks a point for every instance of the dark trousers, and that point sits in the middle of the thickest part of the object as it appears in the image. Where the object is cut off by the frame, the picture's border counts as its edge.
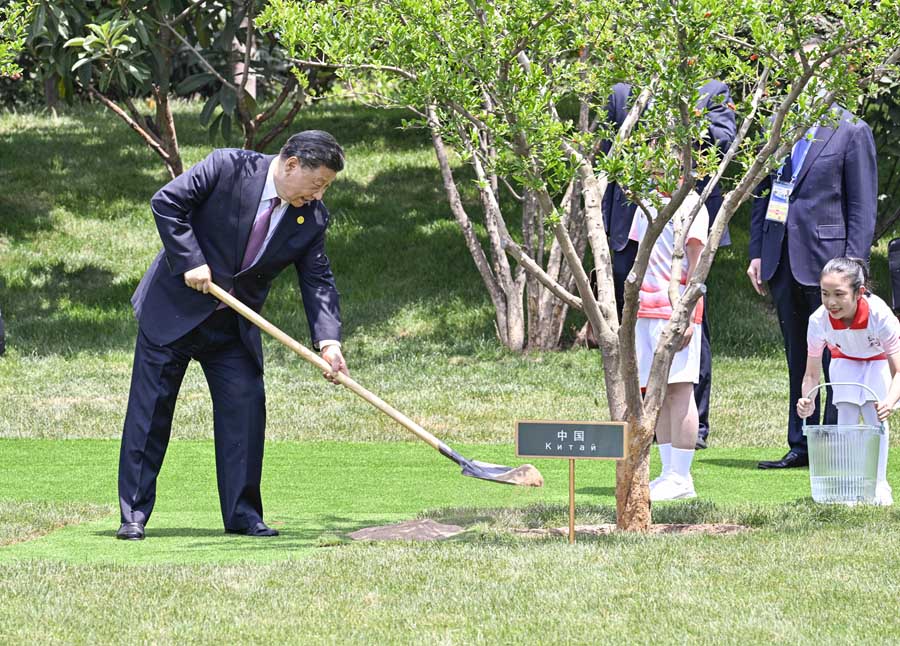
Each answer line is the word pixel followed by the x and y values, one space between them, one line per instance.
pixel 239 417
pixel 795 303
pixel 622 263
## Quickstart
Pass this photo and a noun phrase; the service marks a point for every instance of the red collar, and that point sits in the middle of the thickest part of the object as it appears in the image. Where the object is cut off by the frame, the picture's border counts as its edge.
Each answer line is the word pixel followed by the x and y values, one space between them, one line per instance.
pixel 860 319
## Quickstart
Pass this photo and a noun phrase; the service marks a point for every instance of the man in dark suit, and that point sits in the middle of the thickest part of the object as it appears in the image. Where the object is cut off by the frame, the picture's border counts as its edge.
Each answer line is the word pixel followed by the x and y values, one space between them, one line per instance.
pixel 826 209
pixel 716 107
pixel 239 218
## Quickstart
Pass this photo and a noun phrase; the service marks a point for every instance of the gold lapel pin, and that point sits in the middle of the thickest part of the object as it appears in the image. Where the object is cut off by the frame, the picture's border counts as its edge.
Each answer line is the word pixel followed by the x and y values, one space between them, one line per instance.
pixel 300 219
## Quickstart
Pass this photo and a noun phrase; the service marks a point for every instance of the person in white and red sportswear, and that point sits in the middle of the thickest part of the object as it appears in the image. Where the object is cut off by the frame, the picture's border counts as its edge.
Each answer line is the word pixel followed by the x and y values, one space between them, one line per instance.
pixel 676 428
pixel 863 336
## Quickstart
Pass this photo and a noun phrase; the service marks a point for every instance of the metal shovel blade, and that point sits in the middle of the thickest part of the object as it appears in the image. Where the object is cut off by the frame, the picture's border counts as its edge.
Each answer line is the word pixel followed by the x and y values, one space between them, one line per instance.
pixel 525 475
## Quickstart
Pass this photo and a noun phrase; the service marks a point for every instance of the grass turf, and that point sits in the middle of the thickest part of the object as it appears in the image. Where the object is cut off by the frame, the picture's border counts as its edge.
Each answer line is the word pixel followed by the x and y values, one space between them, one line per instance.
pixel 805 573
pixel 75 237
pixel 316 492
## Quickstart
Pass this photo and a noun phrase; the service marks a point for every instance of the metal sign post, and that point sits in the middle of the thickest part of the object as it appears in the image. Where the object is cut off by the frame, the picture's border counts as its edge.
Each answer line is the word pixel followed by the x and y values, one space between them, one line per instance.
pixel 573 441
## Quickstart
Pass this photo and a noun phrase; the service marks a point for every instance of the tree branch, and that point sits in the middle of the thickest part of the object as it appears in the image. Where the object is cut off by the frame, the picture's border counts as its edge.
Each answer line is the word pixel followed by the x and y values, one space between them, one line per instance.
pixel 356 66
pixel 289 86
pixel 205 63
pixel 535 269
pixel 187 12
pixel 280 127
pixel 149 139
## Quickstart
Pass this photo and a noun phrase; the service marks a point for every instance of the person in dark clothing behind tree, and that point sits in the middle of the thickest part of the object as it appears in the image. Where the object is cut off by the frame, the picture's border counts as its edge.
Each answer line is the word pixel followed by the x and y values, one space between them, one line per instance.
pixel 715 106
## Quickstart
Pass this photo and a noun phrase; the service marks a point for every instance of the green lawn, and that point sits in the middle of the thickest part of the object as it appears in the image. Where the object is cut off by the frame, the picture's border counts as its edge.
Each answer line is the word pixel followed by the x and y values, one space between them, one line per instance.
pixel 803 573
pixel 76 235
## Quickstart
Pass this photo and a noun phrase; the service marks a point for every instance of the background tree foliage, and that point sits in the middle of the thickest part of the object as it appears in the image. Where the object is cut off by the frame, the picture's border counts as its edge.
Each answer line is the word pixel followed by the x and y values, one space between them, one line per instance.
pixel 13 31
pixel 134 56
pixel 516 88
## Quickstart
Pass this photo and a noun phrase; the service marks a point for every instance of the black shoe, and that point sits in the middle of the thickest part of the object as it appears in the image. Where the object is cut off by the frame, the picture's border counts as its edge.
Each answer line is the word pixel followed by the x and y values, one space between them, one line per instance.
pixel 131 532
pixel 701 443
pixel 789 461
pixel 259 529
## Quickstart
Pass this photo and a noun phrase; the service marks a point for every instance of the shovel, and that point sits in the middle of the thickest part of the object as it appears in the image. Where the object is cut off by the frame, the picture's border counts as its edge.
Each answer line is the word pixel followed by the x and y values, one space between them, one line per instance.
pixel 525 475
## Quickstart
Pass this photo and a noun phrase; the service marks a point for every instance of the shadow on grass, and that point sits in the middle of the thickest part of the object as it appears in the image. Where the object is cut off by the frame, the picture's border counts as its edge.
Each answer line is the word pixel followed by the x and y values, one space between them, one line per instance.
pixel 733 463
pixel 399 257
pixel 292 534
pixel 392 242
pixel 57 310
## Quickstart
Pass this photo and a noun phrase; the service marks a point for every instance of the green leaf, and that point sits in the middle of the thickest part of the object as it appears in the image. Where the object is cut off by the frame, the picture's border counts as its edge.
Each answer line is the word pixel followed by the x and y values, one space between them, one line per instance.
pixel 194 82
pixel 40 19
pixel 250 104
pixel 84 77
pixel 228 99
pixel 74 42
pixel 122 79
pixel 208 108
pixel 142 33
pixel 82 61
pixel 214 128
pixel 226 128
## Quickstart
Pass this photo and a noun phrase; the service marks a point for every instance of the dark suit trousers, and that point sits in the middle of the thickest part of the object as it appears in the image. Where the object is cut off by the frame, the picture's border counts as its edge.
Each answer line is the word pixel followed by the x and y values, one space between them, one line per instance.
pixel 795 303
pixel 622 262
pixel 239 417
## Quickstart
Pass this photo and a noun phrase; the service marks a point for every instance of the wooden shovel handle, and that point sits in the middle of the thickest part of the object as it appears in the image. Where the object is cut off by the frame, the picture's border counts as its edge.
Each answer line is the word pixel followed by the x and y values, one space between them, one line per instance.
pixel 323 365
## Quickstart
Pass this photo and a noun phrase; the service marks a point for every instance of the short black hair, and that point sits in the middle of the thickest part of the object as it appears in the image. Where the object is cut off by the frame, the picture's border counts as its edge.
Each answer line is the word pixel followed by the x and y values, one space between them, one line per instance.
pixel 314 148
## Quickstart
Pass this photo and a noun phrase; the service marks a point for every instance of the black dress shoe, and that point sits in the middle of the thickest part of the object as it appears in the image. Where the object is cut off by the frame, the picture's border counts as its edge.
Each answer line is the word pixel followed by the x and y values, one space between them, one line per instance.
pixel 789 461
pixel 259 529
pixel 131 532
pixel 701 443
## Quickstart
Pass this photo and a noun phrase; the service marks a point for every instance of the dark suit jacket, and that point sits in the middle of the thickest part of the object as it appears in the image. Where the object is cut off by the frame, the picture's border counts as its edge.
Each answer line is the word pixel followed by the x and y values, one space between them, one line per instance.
pixel 204 217
pixel 832 208
pixel 714 102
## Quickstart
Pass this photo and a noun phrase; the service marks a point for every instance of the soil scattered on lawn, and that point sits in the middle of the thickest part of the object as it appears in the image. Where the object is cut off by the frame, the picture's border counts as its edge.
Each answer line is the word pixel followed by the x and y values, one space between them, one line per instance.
pixel 712 529
pixel 410 530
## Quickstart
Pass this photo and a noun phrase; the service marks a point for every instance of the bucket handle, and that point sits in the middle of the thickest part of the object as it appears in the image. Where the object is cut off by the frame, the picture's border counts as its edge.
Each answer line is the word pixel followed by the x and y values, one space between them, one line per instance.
pixel 841 383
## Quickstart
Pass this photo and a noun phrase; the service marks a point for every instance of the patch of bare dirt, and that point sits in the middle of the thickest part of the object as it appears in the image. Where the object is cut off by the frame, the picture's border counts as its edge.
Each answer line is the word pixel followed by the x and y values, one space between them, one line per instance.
pixel 410 530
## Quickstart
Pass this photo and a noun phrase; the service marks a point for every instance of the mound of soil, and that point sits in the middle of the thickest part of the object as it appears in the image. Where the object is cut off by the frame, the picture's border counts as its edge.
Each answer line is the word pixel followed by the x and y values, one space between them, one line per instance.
pixel 410 530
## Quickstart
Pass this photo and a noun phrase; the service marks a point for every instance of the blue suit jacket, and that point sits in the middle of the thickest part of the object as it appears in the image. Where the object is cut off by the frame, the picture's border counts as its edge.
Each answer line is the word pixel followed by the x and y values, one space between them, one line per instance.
pixel 832 207
pixel 618 212
pixel 204 216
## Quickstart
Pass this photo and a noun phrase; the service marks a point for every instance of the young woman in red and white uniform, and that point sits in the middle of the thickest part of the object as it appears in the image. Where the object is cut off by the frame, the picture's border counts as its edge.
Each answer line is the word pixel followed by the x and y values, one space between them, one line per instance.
pixel 863 337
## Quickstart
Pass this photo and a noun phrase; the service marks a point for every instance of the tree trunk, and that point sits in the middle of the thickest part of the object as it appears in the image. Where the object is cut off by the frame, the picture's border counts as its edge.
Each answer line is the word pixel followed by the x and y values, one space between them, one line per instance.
pixel 632 482
pixel 240 58
pixel 506 296
pixel 515 320
pixel 547 313
pixel 51 90
pixel 165 121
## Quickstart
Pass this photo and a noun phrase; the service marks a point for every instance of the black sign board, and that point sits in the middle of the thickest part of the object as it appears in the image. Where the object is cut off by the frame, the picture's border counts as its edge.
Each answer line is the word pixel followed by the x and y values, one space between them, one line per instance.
pixel 573 440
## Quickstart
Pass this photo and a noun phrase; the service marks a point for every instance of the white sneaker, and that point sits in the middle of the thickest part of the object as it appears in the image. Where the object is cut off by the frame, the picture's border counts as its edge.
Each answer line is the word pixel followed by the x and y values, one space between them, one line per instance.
pixel 658 479
pixel 673 487
pixel 883 495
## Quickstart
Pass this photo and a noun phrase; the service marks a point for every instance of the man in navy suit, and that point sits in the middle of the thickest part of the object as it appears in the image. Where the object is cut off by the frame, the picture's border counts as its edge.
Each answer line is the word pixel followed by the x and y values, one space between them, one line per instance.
pixel 239 218
pixel 716 107
pixel 829 186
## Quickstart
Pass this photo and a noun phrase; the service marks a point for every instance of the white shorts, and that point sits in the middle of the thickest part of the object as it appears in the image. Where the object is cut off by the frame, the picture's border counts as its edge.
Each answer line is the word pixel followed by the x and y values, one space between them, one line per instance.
pixel 685 364
pixel 875 374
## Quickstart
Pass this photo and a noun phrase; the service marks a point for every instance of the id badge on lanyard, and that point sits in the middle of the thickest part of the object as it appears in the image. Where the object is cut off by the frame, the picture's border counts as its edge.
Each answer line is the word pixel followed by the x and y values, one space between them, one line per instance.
pixel 779 200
